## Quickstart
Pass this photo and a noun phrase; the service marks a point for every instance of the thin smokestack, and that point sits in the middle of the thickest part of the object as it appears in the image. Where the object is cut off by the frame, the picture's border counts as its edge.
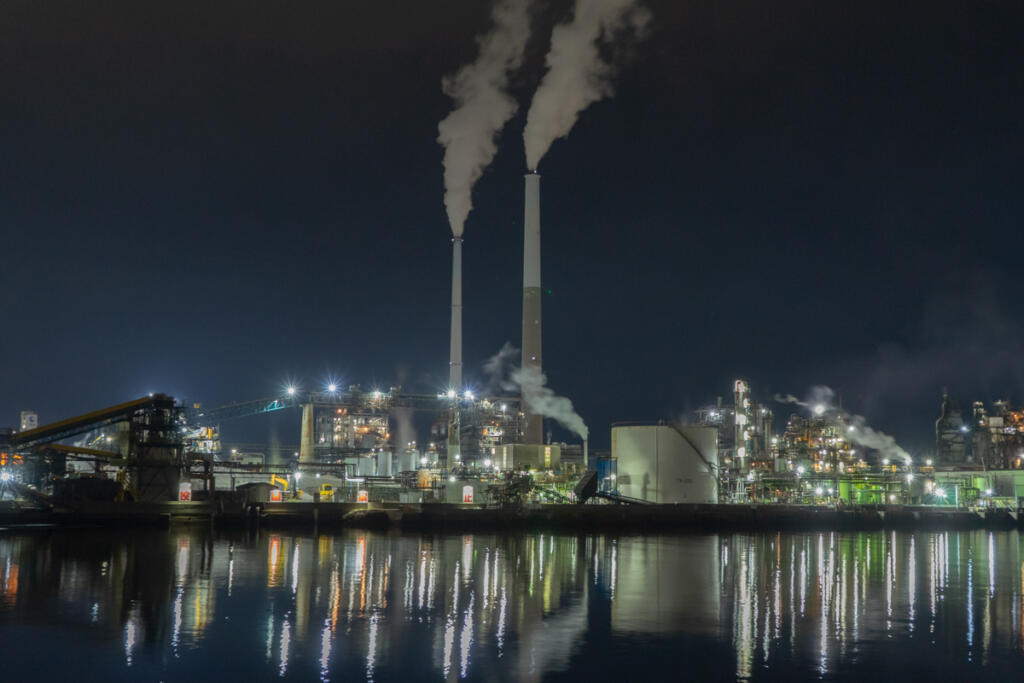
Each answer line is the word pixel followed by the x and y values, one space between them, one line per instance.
pixel 455 355
pixel 531 359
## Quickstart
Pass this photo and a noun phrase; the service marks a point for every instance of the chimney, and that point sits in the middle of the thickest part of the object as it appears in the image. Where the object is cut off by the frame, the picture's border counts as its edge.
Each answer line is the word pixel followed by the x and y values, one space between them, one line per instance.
pixel 455 356
pixel 533 432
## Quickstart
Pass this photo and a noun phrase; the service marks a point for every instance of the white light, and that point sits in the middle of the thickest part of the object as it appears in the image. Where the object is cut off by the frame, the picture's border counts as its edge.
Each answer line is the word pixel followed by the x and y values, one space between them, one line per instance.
pixel 885 461
pixel 941 493
pixel 988 492
pixel 928 462
pixel 468 395
pixel 819 409
pixel 487 462
pixel 851 428
pixel 451 393
pixel 830 492
pixel 291 391
pixel 965 429
pixel 6 476
pixel 376 395
pixel 298 475
pixel 892 497
pixel 800 470
pixel 451 479
pixel 332 387
pixel 910 478
pixel 317 475
pixel 423 461
pixel 818 491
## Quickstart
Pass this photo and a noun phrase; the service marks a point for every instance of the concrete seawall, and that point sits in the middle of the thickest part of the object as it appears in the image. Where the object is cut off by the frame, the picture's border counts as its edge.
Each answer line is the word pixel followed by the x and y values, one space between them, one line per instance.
pixel 587 518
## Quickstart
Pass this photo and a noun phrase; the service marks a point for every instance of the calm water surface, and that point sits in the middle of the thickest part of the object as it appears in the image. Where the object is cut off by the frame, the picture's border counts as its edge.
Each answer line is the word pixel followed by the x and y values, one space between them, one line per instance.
pixel 193 605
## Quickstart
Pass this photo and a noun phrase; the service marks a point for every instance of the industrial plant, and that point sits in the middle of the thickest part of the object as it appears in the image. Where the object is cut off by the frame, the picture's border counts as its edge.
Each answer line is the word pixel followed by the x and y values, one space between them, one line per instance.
pixel 491 450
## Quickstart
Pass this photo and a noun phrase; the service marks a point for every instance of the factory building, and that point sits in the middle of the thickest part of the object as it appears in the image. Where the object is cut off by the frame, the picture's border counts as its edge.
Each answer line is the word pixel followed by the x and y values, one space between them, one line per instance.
pixel 666 463
pixel 818 444
pixel 525 457
pixel 485 424
pixel 951 434
pixel 744 431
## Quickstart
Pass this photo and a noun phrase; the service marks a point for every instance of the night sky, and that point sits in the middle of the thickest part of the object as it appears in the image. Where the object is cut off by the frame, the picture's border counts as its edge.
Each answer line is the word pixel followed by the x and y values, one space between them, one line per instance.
pixel 209 200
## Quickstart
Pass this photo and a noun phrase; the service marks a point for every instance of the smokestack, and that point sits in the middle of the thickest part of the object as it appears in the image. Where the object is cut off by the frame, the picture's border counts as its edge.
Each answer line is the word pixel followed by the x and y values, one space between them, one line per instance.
pixel 534 429
pixel 455 356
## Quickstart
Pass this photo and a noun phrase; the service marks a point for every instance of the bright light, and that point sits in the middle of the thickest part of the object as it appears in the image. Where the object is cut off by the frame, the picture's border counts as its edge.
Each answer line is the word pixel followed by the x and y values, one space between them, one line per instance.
pixel 6 476
pixel 451 479
pixel 965 429
pixel 487 462
pixel 376 395
pixel 851 428
pixel 819 409
pixel 291 391
pixel 298 475
pixel 885 461
pixel 451 393
pixel 830 492
pixel 988 492
pixel 423 461
pixel 332 387
pixel 941 493
pixel 928 462
pixel 818 491
pixel 317 475
pixel 892 497
pixel 910 478
pixel 468 395
pixel 800 470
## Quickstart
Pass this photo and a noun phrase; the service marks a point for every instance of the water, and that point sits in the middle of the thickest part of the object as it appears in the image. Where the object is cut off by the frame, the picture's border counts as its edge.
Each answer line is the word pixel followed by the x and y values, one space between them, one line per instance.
pixel 193 605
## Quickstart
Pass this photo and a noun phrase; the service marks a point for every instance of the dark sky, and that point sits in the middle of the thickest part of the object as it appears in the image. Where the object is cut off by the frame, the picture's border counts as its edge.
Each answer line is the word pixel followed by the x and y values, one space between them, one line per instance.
pixel 207 199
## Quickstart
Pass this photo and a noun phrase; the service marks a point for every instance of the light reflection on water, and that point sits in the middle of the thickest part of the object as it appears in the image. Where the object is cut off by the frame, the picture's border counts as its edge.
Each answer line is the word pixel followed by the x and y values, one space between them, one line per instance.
pixel 521 607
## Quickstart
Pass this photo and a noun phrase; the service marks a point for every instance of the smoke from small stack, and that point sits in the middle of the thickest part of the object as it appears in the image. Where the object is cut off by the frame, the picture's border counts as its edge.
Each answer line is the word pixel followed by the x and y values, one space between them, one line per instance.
pixel 577 76
pixel 858 432
pixel 482 107
pixel 531 384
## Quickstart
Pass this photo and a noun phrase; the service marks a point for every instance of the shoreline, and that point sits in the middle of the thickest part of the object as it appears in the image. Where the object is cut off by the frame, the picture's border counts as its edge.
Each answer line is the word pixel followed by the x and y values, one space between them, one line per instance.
pixel 447 517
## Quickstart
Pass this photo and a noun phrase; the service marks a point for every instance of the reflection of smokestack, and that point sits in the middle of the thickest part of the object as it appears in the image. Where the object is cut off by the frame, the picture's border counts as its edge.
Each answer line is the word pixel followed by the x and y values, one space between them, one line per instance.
pixel 455 357
pixel 534 429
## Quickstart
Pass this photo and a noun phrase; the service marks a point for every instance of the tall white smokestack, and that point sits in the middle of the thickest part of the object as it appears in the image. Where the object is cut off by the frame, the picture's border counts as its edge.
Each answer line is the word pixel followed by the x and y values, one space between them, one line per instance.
pixel 531 361
pixel 455 355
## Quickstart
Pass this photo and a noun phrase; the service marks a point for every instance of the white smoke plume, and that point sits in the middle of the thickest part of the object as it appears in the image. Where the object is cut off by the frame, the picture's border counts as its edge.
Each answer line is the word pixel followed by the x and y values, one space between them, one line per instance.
pixel 858 431
pixel 531 383
pixel 482 107
pixel 577 75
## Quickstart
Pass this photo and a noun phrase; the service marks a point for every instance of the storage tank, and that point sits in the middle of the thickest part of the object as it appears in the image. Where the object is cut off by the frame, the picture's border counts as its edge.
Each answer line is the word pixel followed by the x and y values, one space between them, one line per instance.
pixel 666 463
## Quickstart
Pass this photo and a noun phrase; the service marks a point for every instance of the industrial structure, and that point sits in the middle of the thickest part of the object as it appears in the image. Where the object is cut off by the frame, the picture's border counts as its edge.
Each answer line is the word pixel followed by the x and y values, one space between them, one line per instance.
pixel 533 429
pixel 666 462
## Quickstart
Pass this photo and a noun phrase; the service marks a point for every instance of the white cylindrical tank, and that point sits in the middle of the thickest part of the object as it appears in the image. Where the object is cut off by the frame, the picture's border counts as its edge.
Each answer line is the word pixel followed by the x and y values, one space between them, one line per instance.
pixel 664 463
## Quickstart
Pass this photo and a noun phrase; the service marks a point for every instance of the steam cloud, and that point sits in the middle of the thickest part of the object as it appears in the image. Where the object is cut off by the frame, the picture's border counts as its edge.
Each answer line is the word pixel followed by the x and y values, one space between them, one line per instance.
pixel 482 107
pixel 531 383
pixel 860 433
pixel 577 75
